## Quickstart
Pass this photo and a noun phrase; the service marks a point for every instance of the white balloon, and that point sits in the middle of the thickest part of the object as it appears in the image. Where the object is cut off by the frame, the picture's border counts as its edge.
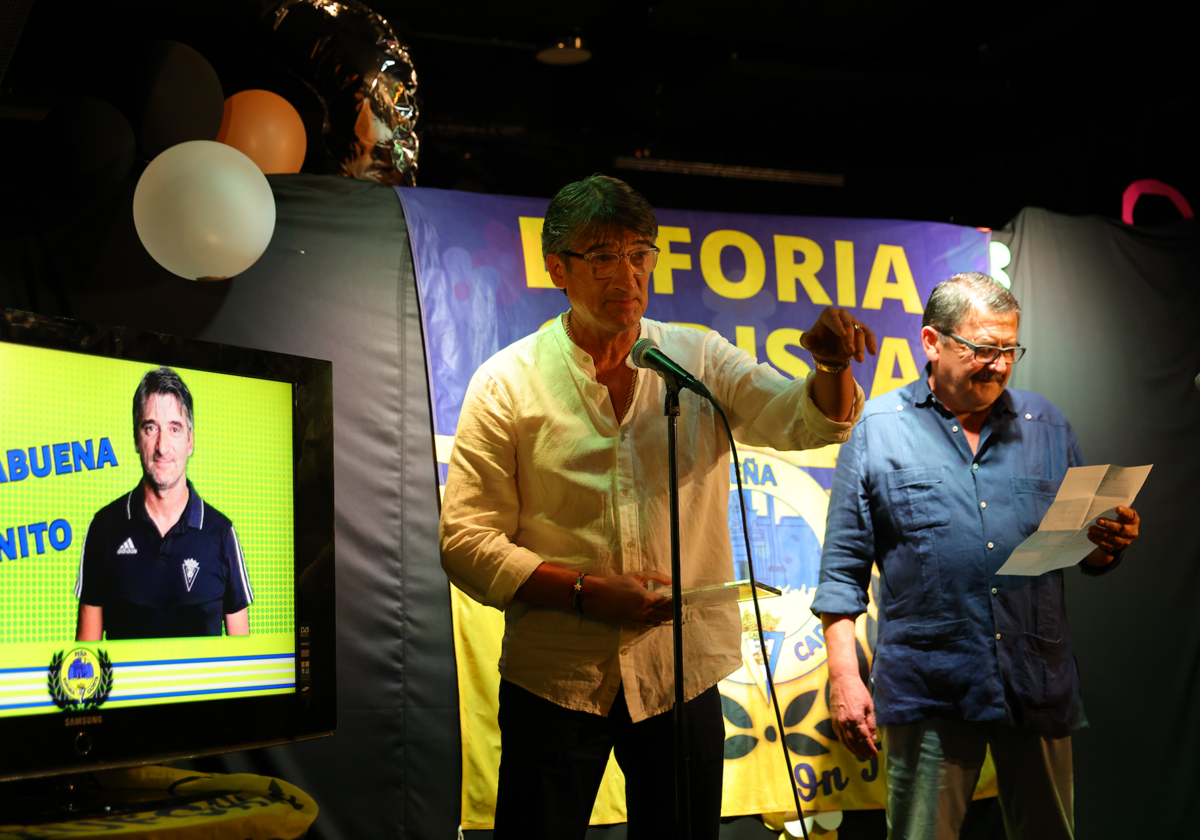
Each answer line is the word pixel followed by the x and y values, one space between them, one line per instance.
pixel 204 210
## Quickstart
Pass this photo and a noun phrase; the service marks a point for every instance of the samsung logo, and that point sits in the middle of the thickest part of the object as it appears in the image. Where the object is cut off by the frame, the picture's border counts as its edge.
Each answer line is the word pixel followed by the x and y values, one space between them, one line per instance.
pixel 83 721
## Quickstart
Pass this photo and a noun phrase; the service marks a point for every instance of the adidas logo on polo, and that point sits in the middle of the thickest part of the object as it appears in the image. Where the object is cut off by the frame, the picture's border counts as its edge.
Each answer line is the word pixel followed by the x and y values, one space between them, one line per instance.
pixel 127 547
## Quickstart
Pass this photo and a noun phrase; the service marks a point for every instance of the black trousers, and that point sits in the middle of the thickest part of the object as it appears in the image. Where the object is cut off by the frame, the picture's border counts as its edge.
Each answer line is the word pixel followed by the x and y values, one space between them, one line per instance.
pixel 552 762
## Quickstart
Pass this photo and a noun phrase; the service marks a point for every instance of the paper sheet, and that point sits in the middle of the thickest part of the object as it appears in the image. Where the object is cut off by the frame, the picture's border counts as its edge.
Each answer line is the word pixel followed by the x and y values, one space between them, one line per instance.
pixel 1086 494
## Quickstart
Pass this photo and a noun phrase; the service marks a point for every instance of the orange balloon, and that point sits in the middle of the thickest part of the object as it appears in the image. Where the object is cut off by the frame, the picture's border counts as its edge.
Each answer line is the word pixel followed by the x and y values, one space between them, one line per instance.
pixel 265 128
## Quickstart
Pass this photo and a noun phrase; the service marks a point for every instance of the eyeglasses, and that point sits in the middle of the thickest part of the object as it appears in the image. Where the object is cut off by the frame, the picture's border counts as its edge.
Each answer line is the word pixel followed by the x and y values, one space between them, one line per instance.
pixel 604 265
pixel 987 353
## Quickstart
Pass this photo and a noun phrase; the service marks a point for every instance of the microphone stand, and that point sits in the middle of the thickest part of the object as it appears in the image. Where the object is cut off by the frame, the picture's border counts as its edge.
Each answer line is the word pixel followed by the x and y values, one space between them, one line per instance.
pixel 683 805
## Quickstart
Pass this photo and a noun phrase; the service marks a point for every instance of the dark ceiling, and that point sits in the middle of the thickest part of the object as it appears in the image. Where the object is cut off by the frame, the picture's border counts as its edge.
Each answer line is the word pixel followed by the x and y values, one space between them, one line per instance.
pixel 929 109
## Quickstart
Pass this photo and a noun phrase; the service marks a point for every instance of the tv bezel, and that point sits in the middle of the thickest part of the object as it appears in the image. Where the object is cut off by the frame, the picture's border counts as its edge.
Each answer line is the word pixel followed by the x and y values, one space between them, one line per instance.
pixel 64 742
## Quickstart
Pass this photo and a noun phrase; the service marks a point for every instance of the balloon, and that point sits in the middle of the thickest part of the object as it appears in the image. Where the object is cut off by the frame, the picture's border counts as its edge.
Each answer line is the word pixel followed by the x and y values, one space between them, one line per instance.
pixel 266 128
pixel 351 57
pixel 101 141
pixel 204 210
pixel 171 94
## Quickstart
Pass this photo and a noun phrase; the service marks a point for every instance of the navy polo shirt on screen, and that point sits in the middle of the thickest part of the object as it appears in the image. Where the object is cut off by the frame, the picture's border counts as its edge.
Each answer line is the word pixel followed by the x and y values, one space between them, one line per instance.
pixel 153 586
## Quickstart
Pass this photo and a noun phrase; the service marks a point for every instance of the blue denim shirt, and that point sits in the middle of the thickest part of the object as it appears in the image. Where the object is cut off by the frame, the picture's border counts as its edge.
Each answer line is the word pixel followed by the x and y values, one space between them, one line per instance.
pixel 954 639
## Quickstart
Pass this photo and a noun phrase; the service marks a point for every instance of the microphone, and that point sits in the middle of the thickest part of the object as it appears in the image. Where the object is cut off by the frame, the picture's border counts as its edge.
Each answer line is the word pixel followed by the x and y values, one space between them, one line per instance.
pixel 645 354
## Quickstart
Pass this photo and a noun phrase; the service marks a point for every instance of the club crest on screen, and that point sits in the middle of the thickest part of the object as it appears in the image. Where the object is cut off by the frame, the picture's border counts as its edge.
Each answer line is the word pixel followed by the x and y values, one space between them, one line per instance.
pixel 190 568
pixel 79 679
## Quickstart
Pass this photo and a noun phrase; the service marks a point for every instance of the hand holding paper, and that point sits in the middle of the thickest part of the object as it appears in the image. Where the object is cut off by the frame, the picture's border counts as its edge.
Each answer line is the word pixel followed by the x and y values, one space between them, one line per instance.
pixel 1086 494
pixel 1113 536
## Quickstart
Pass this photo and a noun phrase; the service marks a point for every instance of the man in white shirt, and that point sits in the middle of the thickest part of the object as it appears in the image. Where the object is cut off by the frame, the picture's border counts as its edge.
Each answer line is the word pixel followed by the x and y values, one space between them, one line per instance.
pixel 556 511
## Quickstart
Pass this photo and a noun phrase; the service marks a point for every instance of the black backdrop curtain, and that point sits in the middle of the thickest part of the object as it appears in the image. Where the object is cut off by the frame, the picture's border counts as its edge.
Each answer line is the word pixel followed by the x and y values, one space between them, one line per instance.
pixel 1110 315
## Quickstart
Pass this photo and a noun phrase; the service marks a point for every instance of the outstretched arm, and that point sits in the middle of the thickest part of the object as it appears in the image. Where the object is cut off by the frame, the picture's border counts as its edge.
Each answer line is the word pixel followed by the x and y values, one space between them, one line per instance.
pixel 835 339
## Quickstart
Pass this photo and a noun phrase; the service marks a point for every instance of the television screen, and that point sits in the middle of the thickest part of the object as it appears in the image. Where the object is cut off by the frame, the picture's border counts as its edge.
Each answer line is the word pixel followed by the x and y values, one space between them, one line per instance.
pixel 150 491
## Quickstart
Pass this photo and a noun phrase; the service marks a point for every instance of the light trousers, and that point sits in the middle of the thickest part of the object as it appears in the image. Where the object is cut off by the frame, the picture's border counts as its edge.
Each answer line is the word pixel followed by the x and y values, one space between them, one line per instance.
pixel 934 765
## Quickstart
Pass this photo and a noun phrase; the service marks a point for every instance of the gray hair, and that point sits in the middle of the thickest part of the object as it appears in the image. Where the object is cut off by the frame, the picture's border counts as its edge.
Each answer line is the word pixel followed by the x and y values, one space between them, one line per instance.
pixel 162 380
pixel 952 300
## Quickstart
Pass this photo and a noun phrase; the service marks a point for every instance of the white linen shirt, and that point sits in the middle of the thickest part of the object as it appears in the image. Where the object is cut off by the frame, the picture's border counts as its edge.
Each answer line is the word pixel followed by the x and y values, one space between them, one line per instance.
pixel 542 472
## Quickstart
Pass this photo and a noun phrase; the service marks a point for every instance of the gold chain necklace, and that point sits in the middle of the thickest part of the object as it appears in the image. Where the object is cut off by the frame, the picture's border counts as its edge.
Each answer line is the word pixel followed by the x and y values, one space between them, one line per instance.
pixel 632 382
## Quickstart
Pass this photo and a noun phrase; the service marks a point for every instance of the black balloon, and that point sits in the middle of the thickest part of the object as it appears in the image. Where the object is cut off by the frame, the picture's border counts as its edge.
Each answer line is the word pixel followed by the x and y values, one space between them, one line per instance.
pixel 352 59
pixel 101 142
pixel 171 95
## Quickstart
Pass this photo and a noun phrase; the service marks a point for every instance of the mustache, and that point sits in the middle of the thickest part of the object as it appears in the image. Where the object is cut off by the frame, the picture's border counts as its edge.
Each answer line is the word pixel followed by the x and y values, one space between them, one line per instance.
pixel 986 375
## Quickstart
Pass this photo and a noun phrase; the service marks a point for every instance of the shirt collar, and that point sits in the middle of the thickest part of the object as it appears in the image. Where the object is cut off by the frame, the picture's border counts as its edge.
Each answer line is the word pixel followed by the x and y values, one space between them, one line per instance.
pixel 573 350
pixel 193 511
pixel 581 356
pixel 923 396
pixel 193 514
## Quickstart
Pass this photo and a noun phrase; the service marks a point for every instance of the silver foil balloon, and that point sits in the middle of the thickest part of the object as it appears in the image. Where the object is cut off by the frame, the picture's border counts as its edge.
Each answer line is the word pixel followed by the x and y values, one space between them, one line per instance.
pixel 362 72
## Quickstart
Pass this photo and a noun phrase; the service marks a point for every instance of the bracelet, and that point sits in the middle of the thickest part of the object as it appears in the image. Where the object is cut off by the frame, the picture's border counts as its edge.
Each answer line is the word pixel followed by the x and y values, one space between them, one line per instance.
pixel 830 367
pixel 577 595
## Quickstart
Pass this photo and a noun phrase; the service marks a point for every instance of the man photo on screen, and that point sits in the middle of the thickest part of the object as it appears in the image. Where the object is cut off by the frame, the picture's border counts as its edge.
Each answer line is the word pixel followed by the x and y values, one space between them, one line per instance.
pixel 160 562
pixel 556 513
pixel 940 482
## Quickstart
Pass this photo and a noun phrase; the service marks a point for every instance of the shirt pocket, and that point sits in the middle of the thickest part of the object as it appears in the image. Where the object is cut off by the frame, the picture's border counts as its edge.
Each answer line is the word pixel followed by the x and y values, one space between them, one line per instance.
pixel 1032 498
pixel 910 577
pixel 1044 674
pixel 917 498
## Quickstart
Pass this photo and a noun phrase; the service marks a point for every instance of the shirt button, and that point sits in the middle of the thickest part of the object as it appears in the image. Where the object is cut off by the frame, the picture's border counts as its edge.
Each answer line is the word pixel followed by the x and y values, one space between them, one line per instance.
pixel 625 492
pixel 983 504
pixel 974 466
pixel 991 545
pixel 899 408
pixel 954 428
pixel 994 590
pixel 997 636
pixel 625 651
pixel 1028 416
pixel 630 544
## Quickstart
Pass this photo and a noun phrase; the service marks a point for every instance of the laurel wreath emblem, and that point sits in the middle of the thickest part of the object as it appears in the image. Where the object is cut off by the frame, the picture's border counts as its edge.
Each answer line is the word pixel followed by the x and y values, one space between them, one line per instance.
pixel 65 701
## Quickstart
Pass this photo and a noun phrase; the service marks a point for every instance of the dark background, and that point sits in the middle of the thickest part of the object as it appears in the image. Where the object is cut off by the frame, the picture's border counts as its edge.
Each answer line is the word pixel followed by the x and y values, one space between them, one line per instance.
pixel 929 109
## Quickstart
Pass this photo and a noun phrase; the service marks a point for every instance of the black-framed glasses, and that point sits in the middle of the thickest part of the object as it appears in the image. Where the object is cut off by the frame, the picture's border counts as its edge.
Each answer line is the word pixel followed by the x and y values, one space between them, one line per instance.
pixel 604 264
pixel 987 353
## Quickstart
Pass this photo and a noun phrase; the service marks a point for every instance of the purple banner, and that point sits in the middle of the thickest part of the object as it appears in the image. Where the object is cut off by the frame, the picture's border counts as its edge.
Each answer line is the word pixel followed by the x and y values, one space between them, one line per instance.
pixel 758 280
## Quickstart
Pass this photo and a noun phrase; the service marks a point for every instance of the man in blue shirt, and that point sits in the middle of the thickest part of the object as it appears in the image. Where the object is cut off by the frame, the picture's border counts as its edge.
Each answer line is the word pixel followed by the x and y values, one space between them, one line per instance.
pixel 159 561
pixel 940 481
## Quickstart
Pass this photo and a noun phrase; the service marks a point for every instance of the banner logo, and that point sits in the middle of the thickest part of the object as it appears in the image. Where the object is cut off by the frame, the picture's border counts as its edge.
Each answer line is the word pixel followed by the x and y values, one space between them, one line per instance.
pixel 79 680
